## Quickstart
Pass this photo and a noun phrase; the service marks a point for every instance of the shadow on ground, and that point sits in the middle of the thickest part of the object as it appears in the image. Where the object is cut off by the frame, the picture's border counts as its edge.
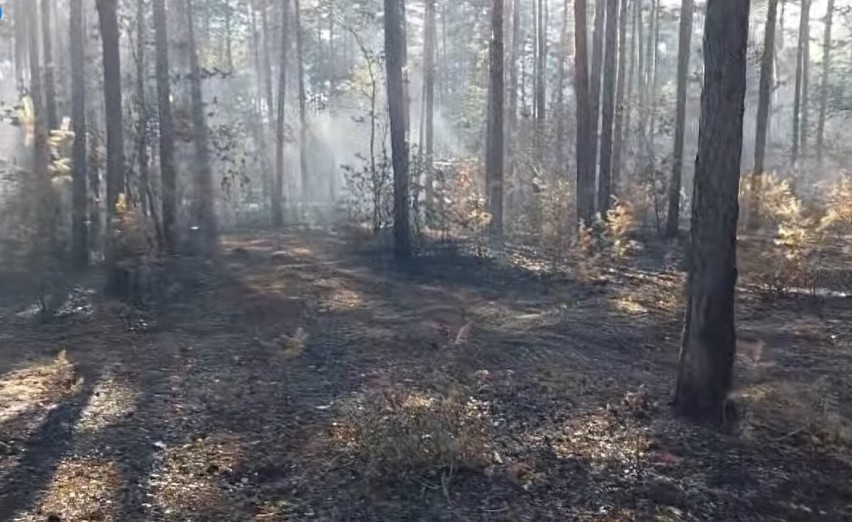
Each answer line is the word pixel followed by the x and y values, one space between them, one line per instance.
pixel 497 394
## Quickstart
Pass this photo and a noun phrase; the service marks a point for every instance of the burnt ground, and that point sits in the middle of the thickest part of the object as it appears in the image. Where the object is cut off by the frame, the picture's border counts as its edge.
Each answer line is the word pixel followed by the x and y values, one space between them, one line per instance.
pixel 303 377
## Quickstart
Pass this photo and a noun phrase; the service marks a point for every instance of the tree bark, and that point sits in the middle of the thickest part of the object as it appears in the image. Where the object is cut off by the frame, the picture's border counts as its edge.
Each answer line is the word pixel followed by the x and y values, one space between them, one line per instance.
pixel 767 63
pixel 229 54
pixel 278 186
pixel 20 27
pixel 800 73
pixel 560 93
pixel 608 113
pixel 204 204
pixel 824 83
pixel 79 228
pixel 635 38
pixel 303 109
pixel 707 355
pixel 167 137
pixel 540 82
pixel 141 104
pixel 406 93
pixel 596 81
pixel 806 85
pixel 494 145
pixel 399 146
pixel 108 19
pixel 512 125
pixel 49 65
pixel 653 49
pixel 585 137
pixel 618 146
pixel 684 51
pixel 429 36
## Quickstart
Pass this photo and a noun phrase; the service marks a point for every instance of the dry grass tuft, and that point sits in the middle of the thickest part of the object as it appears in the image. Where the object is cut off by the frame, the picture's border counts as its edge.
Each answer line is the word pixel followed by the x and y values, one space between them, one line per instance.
pixel 397 434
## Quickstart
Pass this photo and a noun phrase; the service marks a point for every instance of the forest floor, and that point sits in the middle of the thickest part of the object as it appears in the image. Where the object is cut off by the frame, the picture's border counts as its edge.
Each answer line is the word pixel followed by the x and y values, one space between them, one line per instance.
pixel 304 377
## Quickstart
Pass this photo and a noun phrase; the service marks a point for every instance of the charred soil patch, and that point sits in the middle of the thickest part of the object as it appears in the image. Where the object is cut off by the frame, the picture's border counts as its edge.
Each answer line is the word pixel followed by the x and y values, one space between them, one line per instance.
pixel 303 377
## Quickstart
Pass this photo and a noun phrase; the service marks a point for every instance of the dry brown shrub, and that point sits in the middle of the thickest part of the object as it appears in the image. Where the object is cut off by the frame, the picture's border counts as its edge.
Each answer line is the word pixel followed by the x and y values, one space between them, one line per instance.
pixel 621 221
pixel 398 434
pixel 789 260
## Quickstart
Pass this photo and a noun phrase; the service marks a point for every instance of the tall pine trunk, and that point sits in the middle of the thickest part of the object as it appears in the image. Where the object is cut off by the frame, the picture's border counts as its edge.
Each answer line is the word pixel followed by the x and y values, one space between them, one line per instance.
pixel 618 145
pixel 652 49
pixel 767 63
pixel 561 116
pixel 141 104
pixel 806 86
pixel 824 82
pixel 494 137
pixel 79 228
pixel 709 341
pixel 303 109
pixel 41 159
pixel 49 64
pixel 429 36
pixel 540 82
pixel 596 81
pixel 278 186
pixel 608 113
pixel 19 11
pixel 167 132
pixel 635 37
pixel 108 18
pixel 204 204
pixel 514 58
pixel 396 112
pixel 585 137
pixel 683 55
pixel 801 60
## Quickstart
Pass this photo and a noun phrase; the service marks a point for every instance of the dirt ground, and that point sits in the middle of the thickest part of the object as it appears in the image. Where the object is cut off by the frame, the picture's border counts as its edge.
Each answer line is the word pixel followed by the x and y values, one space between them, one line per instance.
pixel 304 377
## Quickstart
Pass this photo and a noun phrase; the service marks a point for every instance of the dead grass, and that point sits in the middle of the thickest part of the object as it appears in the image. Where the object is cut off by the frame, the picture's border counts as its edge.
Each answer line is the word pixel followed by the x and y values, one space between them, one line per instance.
pixel 82 489
pixel 396 434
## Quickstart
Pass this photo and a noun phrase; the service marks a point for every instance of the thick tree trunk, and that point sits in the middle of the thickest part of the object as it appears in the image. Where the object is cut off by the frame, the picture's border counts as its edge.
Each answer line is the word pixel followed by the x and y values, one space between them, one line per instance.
pixel 823 88
pixel 79 228
pixel 303 109
pixel 585 137
pixel 49 64
pixel 596 81
pixel 429 37
pixel 204 211
pixel 399 147
pixel 278 186
pixel 108 18
pixel 608 113
pixel 767 63
pixel 618 145
pixel 683 54
pixel 167 133
pixel 801 59
pixel 494 138
pixel 706 360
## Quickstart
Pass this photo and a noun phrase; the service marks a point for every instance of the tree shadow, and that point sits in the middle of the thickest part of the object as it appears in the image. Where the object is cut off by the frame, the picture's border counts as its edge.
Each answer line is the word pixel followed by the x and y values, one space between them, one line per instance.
pixel 43 452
